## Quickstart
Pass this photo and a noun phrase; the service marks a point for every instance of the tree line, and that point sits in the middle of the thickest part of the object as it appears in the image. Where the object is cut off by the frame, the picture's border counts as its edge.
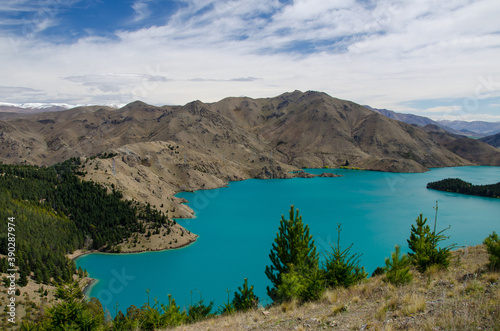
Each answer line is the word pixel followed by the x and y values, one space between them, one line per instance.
pixel 457 185
pixel 57 212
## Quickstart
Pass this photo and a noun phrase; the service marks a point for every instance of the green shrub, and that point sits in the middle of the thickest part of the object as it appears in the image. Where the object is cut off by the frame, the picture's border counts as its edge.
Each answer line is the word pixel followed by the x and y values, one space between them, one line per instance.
pixel 151 318
pixel 492 243
pixel 315 286
pixel 227 308
pixel 378 271
pixel 172 314
pixel 199 311
pixel 72 313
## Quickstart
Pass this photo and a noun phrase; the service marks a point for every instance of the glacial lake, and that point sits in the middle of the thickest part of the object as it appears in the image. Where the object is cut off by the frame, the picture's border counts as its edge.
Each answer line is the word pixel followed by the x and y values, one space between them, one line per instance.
pixel 237 225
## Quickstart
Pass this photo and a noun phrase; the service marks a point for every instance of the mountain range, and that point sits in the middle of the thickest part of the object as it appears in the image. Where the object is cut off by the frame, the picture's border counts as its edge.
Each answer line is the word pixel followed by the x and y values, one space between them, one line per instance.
pixel 477 129
pixel 152 152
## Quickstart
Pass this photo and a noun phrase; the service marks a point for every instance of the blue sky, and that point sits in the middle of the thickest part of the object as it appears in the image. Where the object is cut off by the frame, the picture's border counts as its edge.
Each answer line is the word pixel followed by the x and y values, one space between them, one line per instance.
pixel 432 58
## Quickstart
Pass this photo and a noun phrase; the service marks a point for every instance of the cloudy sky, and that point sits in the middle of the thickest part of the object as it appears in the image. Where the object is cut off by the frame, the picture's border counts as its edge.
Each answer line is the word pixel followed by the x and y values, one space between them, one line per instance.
pixel 434 58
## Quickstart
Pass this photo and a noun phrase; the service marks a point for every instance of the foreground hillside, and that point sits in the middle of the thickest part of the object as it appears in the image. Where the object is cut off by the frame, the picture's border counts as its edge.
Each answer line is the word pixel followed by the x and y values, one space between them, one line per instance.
pixel 150 153
pixel 465 297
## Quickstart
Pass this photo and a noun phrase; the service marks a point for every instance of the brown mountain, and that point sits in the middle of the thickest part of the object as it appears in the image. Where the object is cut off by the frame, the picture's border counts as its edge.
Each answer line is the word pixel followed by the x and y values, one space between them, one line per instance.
pixel 161 150
pixel 493 140
pixel 475 151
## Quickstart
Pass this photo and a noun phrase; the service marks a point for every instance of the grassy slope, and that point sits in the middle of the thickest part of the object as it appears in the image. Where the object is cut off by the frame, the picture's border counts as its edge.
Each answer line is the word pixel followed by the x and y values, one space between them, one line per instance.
pixel 464 297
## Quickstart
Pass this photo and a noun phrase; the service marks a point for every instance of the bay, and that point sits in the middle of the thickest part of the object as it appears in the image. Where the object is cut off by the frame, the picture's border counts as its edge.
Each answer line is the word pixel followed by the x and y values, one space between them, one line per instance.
pixel 238 223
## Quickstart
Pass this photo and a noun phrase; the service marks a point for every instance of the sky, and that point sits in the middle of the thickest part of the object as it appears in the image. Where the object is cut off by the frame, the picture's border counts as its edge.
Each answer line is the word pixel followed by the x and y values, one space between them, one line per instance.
pixel 439 59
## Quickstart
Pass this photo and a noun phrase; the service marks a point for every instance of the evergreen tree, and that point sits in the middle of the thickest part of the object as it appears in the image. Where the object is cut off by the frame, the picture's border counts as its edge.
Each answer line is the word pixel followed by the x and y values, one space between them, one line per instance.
pixel 246 299
pixel 173 315
pixel 342 269
pixel 423 244
pixel 492 243
pixel 199 311
pixel 294 248
pixel 398 268
pixel 73 312
pixel 302 286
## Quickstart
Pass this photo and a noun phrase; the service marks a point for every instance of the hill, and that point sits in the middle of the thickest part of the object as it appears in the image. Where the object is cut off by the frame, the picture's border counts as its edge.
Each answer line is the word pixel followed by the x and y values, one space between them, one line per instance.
pixel 158 151
pixel 473 150
pixel 464 297
pixel 493 140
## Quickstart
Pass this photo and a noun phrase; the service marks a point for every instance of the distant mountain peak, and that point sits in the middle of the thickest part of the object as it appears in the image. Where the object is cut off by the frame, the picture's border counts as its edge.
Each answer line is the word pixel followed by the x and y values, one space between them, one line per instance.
pixel 136 104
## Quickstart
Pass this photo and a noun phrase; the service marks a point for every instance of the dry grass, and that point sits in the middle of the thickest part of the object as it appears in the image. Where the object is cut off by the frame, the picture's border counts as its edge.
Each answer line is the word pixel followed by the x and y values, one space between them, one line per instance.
pixel 464 297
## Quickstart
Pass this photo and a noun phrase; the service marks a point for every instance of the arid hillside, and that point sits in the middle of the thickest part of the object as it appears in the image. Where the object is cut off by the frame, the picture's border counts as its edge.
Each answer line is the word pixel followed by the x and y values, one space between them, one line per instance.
pixel 464 297
pixel 152 152
pixel 493 140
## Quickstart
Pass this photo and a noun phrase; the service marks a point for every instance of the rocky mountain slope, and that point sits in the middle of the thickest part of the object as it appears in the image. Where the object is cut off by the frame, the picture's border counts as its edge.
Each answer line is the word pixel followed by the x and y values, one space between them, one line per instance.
pixel 493 140
pixel 473 150
pixel 158 151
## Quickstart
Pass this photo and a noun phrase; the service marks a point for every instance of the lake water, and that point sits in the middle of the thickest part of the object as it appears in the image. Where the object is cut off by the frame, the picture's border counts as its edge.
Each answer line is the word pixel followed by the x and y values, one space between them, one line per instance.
pixel 237 225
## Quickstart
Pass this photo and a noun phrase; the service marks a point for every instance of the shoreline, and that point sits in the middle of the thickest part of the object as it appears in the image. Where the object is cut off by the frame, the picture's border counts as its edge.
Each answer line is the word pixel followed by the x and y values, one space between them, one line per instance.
pixel 79 253
pixel 90 283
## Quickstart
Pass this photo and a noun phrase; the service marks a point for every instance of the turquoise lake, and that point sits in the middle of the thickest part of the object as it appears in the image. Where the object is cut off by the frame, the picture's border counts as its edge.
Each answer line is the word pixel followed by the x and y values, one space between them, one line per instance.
pixel 237 225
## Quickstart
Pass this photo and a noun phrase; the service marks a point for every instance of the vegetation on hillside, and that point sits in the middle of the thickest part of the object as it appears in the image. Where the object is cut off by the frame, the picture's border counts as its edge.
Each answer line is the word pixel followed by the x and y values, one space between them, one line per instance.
pixel 43 238
pixel 456 185
pixel 56 212
pixel 466 296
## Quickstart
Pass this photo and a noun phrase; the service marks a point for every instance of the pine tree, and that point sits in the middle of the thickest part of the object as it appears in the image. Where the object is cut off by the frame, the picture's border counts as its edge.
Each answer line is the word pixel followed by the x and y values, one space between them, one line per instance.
pixel 342 269
pixel 492 243
pixel 172 315
pixel 420 244
pixel 398 268
pixel 294 248
pixel 424 245
pixel 246 299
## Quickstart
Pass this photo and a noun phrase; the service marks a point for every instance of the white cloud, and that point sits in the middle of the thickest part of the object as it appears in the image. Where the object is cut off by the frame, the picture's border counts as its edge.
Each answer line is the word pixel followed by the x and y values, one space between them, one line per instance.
pixel 442 109
pixel 141 10
pixel 382 55
pixel 468 117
